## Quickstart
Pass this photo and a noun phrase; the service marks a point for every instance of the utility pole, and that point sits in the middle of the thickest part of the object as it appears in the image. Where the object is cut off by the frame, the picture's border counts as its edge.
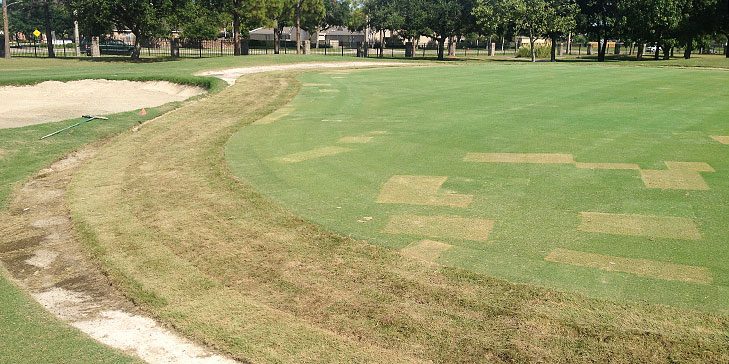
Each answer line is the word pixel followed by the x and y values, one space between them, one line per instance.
pixel 6 29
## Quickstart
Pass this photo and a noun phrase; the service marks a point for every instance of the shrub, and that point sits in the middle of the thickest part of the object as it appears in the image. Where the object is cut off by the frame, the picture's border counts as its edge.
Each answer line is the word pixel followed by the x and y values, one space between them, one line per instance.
pixel 541 51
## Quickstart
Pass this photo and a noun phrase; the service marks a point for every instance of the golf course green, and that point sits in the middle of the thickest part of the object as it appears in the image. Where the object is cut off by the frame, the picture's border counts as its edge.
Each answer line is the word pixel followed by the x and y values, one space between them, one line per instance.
pixel 573 177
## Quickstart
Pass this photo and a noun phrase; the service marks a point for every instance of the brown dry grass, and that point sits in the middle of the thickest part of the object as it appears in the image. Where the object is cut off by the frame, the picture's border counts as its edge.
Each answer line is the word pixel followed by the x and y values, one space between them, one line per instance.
pixel 540 158
pixel 641 267
pixel 355 139
pixel 467 228
pixel 162 214
pixel 640 225
pixel 278 114
pixel 427 250
pixel 312 154
pixel 679 179
pixel 690 166
pixel 721 139
pixel 420 190
pixel 607 166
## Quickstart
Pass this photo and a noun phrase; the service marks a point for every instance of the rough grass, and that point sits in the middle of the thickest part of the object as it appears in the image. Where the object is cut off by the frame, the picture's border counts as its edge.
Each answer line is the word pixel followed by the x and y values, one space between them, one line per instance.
pixel 222 264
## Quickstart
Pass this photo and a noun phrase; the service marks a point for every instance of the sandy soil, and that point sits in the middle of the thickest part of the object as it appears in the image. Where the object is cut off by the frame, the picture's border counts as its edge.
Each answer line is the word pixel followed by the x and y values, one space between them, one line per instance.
pixel 39 250
pixel 55 101
pixel 232 74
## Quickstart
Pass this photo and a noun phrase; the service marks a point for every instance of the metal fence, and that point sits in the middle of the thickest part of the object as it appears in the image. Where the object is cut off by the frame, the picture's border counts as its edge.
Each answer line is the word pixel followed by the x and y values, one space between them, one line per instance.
pixel 197 48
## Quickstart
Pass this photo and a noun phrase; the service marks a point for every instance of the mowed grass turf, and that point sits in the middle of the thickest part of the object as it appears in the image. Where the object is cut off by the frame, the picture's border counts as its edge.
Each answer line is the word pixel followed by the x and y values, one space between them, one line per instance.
pixel 425 121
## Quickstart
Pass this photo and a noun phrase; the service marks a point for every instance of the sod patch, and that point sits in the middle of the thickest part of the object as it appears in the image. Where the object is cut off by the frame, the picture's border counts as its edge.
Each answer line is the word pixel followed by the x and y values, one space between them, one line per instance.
pixel 420 190
pixel 328 90
pixel 607 166
pixel 441 227
pixel 355 140
pixel 641 267
pixel 312 154
pixel 427 250
pixel 275 115
pixel 690 166
pixel 721 139
pixel 639 225
pixel 316 84
pixel 674 179
pixel 541 158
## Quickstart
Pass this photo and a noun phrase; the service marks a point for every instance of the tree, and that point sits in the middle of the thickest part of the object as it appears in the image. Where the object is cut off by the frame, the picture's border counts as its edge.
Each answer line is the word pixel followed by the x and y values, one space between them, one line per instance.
pixel 598 19
pixel 490 15
pixel 280 13
pixel 309 14
pixel 247 14
pixel 531 16
pixel 144 18
pixel 560 19
pixel 443 20
pixel 412 15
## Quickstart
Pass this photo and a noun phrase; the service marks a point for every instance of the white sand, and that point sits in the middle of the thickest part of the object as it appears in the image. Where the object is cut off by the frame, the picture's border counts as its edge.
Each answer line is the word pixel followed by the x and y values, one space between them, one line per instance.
pixel 55 101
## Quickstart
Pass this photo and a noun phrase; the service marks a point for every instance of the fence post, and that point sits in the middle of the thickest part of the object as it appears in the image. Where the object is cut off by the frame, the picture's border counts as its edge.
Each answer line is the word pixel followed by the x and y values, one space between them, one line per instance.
pixel 342 48
pixel 35 47
pixel 221 47
pixel 200 47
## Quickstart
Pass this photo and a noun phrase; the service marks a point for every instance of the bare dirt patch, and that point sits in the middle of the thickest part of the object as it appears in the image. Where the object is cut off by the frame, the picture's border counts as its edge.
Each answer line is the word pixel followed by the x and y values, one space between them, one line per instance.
pixel 38 248
pixel 546 158
pixel 441 227
pixel 640 225
pixel 427 250
pixel 312 154
pixel 55 101
pixel 420 190
pixel 641 267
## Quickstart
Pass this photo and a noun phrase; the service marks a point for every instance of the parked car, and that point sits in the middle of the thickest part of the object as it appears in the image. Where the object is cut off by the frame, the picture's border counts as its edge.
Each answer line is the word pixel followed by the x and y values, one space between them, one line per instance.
pixel 109 46
pixel 651 49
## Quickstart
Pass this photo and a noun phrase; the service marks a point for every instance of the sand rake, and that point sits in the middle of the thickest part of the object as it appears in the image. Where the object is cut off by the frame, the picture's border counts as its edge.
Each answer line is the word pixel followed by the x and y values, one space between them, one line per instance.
pixel 88 118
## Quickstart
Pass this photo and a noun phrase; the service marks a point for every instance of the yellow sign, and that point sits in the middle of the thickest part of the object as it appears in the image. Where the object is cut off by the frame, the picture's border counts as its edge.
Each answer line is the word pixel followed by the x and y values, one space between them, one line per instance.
pixel 37 33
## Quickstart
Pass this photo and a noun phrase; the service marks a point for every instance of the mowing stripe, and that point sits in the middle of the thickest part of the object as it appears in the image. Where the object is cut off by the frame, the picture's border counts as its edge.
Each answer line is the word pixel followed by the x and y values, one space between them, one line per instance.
pixel 519 158
pixel 328 90
pixel 607 166
pixel 278 114
pixel 441 227
pixel 356 139
pixel 311 154
pixel 427 250
pixel 640 225
pixel 641 267
pixel 690 166
pixel 420 190
pixel 674 179
pixel 721 139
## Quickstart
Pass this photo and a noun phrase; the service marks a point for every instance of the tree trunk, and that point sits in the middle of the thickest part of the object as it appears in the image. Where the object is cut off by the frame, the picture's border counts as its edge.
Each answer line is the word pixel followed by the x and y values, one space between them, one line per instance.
pixel 49 34
pixel 602 50
pixel 137 45
pixel 726 49
pixel 657 55
pixel 441 46
pixel 382 43
pixel 689 48
pixel 531 43
pixel 553 55
pixel 666 52
pixel 503 40
pixel 451 46
pixel 6 31
pixel 236 34
pixel 276 38
pixel 641 49
pixel 298 27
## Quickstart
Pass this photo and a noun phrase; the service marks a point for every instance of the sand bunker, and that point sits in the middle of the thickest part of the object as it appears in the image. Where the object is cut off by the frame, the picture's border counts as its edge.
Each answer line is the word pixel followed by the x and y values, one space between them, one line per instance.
pixel 519 158
pixel 427 250
pixel 55 101
pixel 311 154
pixel 641 267
pixel 441 227
pixel 420 190
pixel 640 225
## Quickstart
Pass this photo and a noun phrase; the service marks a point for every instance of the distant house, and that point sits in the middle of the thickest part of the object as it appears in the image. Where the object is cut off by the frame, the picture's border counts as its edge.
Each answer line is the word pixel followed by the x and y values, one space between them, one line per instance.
pixel 288 33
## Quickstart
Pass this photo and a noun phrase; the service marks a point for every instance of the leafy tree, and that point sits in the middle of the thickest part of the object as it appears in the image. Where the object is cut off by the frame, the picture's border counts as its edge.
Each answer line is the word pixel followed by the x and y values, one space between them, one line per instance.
pixel 599 19
pixel 46 15
pixel 413 18
pixel 280 13
pixel 309 14
pixel 196 20
pixel 246 14
pixel 561 18
pixel 443 20
pixel 531 16
pixel 490 16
